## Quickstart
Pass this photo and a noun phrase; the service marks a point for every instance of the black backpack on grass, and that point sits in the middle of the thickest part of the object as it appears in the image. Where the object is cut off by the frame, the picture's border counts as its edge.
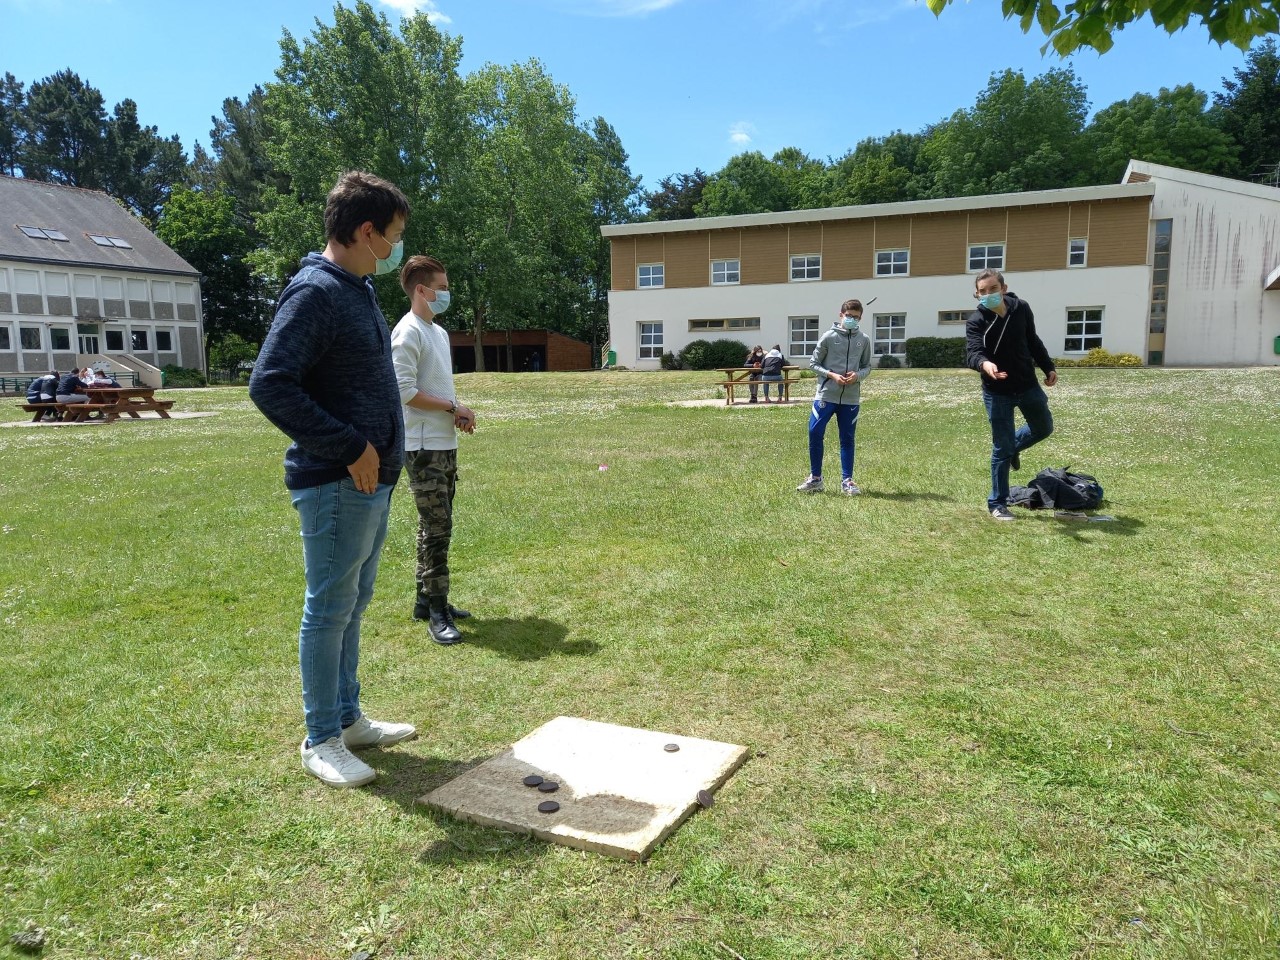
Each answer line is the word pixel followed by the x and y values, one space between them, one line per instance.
pixel 1058 489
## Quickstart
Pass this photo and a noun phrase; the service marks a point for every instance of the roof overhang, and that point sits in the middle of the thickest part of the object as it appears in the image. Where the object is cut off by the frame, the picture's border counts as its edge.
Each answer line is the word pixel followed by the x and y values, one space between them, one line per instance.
pixel 1273 281
pixel 1034 198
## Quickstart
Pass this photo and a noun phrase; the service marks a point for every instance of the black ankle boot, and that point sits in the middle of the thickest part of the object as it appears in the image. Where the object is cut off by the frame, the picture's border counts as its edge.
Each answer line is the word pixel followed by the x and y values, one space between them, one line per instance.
pixel 440 625
pixel 422 610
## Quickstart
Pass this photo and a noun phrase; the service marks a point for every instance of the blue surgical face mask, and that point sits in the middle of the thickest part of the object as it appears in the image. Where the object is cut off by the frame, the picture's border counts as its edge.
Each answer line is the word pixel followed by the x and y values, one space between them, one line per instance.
pixel 392 260
pixel 992 300
pixel 850 323
pixel 440 304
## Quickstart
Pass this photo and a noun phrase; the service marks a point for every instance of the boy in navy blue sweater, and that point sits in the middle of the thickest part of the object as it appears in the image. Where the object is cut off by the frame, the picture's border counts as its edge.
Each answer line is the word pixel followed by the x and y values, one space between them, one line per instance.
pixel 324 377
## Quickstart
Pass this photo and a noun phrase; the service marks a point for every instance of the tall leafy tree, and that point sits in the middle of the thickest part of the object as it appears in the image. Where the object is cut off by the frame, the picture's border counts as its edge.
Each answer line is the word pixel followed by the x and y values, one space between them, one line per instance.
pixel 140 167
pixel 878 170
pixel 66 132
pixel 677 196
pixel 1091 23
pixel 1248 110
pixel 1172 128
pixel 13 124
pixel 748 183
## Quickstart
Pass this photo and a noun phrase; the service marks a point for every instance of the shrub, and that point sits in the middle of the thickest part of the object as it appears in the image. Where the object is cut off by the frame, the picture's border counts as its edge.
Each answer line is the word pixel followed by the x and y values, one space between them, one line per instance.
pixel 175 376
pixel 1100 357
pixel 935 351
pixel 669 361
pixel 889 362
pixel 710 354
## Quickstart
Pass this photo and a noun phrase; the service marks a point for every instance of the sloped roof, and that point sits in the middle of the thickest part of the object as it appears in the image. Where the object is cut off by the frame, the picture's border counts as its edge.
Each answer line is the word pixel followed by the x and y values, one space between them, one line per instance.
pixel 76 213
pixel 1140 171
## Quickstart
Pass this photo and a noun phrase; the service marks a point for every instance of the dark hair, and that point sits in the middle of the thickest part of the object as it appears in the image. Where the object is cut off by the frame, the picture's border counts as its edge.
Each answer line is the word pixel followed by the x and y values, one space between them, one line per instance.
pixel 358 197
pixel 987 274
pixel 418 269
pixel 851 305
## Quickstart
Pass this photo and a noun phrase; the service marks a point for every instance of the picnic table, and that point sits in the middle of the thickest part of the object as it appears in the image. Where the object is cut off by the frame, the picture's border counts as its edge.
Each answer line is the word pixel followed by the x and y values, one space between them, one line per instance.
pixel 740 377
pixel 110 402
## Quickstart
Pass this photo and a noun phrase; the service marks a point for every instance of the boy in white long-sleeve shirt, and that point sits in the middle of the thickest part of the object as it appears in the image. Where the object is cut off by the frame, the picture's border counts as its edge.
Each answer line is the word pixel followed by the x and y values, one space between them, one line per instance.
pixel 432 417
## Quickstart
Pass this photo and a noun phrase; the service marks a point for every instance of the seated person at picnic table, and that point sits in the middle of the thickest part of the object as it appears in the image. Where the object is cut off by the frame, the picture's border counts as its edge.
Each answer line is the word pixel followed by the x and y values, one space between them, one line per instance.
pixel 71 388
pixel 44 390
pixel 103 379
pixel 754 359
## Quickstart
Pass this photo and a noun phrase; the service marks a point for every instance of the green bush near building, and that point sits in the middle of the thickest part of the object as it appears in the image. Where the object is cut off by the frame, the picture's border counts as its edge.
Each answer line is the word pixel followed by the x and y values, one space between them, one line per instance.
pixel 935 352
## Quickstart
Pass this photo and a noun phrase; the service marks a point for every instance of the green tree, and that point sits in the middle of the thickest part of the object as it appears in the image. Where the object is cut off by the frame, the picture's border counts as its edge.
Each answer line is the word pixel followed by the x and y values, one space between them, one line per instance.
pixel 203 229
pixel 1248 111
pixel 229 353
pixel 676 197
pixel 1091 23
pixel 13 124
pixel 1018 136
pixel 140 167
pixel 1172 128
pixel 748 183
pixel 878 170
pixel 66 132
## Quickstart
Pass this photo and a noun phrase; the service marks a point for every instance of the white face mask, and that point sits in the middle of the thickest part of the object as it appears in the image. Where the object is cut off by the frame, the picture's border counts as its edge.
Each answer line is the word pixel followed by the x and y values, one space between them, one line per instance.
pixel 440 304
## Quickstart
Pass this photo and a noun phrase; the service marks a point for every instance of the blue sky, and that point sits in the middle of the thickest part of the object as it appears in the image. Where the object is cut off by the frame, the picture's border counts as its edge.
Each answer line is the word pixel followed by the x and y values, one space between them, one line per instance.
pixel 686 83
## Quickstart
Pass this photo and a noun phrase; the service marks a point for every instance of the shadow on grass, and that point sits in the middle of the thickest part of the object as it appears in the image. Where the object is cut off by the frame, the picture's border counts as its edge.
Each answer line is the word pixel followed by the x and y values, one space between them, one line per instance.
pixel 530 638
pixel 903 496
pixel 403 778
pixel 1118 527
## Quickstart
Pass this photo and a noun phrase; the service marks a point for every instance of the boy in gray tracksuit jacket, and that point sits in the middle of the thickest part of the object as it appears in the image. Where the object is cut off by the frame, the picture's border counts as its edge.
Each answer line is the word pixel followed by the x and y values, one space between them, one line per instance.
pixel 842 360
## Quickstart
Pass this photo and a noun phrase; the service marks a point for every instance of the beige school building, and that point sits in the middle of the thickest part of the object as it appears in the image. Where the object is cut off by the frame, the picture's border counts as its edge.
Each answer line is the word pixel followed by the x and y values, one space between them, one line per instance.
pixel 1180 268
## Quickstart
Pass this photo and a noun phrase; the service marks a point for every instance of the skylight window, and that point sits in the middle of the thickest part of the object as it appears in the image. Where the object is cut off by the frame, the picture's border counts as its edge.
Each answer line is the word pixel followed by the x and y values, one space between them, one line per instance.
pixel 39 233
pixel 99 239
pixel 122 244
pixel 102 241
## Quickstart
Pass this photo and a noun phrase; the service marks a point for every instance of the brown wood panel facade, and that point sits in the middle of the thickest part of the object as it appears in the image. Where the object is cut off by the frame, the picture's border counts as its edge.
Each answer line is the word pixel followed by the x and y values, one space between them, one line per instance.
pixel 1036 238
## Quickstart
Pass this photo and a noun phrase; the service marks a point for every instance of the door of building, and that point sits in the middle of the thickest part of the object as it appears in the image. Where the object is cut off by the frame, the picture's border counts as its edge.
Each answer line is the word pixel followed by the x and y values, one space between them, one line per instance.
pixel 87 334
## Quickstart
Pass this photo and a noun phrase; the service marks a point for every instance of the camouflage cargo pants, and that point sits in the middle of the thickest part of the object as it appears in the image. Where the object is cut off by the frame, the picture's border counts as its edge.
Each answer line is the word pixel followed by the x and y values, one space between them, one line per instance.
pixel 433 477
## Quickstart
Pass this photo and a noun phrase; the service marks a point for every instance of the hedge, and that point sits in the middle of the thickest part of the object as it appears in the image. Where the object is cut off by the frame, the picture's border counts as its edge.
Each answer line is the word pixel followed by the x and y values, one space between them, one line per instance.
pixel 711 354
pixel 935 352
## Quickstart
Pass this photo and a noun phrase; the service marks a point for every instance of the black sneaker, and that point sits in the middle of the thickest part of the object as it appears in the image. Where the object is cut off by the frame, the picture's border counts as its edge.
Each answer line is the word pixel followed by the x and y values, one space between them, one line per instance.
pixel 1001 513
pixel 1015 462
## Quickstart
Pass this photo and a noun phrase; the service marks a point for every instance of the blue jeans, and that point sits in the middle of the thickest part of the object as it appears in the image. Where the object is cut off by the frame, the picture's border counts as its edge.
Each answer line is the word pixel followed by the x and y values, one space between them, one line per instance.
pixel 342 535
pixel 772 378
pixel 846 415
pixel 1005 442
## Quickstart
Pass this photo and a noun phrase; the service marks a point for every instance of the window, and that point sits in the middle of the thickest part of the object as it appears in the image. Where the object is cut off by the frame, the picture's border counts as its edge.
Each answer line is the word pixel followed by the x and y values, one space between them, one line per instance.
pixel 99 239
pixel 892 263
pixel 986 256
pixel 806 267
pixel 138 339
pixel 891 335
pixel 164 341
pixel 103 241
pixel 1159 311
pixel 649 275
pixel 651 341
pixel 1084 330
pixel 115 341
pixel 40 233
pixel 732 323
pixel 725 272
pixel 60 337
pixel 953 316
pixel 29 337
pixel 122 244
pixel 1077 252
pixel 5 342
pixel 804 336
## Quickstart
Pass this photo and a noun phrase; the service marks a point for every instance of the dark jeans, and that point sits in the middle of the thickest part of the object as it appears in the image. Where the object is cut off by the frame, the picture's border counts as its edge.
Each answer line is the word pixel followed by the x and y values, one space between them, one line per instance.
pixel 846 415
pixel 1005 441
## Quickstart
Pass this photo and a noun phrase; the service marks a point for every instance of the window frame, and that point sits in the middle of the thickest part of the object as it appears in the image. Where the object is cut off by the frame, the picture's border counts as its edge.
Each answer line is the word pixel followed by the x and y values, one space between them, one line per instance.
pixel 806 267
pixel 134 334
pixel 7 345
pixel 892 262
pixel 653 345
pixel 1083 335
pixel 986 257
pixel 962 314
pixel 736 272
pixel 876 339
pixel 53 344
pixel 812 325
pixel 661 274
pixel 1084 252
pixel 22 344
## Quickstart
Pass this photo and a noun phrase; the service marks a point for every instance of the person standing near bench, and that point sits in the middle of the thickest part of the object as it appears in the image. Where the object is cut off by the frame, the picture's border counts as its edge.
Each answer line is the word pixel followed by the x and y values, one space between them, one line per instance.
pixel 432 417
pixel 1001 344
pixel 842 360
pixel 324 377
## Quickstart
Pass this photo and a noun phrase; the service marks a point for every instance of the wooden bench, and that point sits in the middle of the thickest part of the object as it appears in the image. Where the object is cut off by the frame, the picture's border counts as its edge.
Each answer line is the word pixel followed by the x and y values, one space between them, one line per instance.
pixel 740 377
pixel 67 412
pixel 132 407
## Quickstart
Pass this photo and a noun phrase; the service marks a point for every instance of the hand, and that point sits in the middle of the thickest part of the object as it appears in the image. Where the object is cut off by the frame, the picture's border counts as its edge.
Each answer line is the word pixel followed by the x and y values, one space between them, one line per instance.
pixel 1051 378
pixel 464 418
pixel 365 470
pixel 992 371
pixel 851 377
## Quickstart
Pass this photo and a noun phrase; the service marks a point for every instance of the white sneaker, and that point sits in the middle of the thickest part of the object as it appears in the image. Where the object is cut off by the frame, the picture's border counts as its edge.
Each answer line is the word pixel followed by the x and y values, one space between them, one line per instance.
pixel 376 733
pixel 849 488
pixel 332 763
pixel 811 485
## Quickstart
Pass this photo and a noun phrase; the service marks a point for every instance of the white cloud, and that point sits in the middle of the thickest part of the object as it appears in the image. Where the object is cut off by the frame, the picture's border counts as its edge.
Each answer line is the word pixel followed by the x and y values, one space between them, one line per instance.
pixel 410 7
pixel 740 133
pixel 617 8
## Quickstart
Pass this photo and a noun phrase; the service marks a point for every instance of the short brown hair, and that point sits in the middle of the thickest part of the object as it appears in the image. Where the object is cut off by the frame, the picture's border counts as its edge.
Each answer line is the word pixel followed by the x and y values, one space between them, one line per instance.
pixel 358 197
pixel 850 305
pixel 418 269
pixel 987 274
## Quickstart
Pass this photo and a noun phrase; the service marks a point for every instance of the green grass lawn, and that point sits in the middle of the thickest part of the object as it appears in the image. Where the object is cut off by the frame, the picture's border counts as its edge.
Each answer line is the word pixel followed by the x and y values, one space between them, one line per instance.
pixel 1041 739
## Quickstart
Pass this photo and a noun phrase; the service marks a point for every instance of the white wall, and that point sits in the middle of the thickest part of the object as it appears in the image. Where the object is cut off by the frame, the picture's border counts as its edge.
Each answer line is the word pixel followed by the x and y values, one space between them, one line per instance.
pixel 1225 242
pixel 1122 292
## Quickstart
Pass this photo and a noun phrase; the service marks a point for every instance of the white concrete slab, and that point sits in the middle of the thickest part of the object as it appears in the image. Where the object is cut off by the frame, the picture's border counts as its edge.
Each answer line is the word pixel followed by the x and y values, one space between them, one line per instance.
pixel 621 793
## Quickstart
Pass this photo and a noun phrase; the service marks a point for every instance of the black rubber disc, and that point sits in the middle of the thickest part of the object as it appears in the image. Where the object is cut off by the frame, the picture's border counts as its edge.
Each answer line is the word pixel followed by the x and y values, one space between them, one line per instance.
pixel 532 780
pixel 548 806
pixel 672 748
pixel 548 786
